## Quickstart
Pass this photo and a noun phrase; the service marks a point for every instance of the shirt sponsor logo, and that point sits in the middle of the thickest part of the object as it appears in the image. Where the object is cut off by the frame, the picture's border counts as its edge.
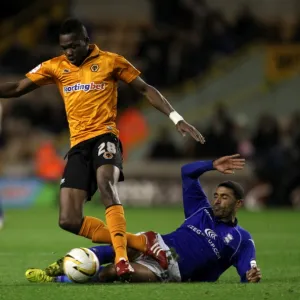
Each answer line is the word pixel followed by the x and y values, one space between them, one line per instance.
pixel 214 248
pixel 85 87
pixel 208 233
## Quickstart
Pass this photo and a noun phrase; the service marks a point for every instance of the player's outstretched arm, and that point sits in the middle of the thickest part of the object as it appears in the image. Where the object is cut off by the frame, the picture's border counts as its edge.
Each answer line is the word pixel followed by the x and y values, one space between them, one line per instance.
pixel 161 103
pixel 17 89
pixel 224 164
pixel 195 169
pixel 193 195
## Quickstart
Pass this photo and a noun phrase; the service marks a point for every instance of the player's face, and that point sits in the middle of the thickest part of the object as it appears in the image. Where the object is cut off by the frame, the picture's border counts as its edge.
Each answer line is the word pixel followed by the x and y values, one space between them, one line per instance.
pixel 74 47
pixel 224 203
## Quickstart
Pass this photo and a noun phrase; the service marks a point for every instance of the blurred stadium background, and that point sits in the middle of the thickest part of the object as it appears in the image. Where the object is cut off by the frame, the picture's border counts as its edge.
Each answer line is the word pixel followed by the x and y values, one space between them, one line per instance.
pixel 230 67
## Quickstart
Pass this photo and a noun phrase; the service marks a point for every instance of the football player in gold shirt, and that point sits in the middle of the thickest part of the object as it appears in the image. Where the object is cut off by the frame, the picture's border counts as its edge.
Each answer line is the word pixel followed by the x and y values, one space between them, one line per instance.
pixel 87 80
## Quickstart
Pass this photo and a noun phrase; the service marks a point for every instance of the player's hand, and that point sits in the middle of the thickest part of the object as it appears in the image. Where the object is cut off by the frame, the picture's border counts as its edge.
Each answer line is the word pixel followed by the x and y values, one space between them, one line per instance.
pixel 254 275
pixel 228 164
pixel 183 127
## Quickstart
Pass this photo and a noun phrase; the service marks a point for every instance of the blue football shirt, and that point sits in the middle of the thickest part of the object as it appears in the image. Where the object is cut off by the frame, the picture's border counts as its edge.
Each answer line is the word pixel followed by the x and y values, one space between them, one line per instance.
pixel 206 246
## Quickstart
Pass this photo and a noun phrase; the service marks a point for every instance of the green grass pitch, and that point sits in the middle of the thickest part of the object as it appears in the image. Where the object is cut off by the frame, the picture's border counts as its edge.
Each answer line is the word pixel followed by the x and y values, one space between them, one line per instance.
pixel 31 238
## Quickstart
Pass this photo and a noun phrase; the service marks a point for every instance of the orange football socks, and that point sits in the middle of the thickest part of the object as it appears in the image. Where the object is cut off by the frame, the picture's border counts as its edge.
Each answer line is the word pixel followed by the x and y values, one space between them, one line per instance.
pixel 137 242
pixel 96 230
pixel 116 224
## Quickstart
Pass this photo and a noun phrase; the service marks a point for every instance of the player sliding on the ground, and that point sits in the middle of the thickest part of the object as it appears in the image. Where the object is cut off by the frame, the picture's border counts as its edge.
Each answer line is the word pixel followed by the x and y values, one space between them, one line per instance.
pixel 87 80
pixel 206 244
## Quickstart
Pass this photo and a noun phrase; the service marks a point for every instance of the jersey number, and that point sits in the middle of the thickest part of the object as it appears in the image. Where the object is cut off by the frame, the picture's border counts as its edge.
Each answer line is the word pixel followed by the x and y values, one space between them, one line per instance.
pixel 110 147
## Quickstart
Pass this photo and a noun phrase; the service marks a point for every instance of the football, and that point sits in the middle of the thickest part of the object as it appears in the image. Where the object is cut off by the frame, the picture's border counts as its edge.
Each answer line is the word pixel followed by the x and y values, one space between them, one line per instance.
pixel 80 264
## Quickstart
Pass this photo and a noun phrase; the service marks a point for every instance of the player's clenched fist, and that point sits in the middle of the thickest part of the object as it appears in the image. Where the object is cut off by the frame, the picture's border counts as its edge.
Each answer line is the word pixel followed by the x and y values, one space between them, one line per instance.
pixel 254 275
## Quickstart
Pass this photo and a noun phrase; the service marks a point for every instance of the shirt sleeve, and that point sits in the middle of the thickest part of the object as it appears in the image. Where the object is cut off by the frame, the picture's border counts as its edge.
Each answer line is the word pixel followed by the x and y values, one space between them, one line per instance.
pixel 246 258
pixel 41 74
pixel 124 70
pixel 193 195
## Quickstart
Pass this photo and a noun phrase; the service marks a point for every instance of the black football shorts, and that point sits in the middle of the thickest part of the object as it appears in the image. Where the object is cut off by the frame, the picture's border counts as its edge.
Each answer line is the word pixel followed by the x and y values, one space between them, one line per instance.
pixel 84 159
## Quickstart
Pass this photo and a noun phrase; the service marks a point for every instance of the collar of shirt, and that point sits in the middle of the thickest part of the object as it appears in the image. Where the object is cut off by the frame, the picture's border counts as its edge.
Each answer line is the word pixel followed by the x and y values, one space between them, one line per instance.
pixel 229 223
pixel 95 52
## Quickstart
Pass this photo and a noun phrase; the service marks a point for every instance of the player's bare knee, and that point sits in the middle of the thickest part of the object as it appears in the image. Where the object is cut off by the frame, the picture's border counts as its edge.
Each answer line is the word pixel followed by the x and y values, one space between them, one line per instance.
pixel 70 224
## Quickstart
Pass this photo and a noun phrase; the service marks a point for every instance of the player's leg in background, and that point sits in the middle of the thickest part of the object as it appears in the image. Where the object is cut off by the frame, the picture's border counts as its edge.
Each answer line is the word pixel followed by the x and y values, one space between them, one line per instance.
pixel 71 209
pixel 1 215
pixel 71 218
pixel 74 192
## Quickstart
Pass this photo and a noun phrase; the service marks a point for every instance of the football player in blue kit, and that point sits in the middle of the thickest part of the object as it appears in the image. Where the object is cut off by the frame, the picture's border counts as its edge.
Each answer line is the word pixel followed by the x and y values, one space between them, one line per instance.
pixel 207 243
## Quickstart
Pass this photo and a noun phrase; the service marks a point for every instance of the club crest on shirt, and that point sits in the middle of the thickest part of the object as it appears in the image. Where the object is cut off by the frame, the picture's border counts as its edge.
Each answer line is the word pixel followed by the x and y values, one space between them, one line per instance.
pixel 108 155
pixel 228 238
pixel 94 68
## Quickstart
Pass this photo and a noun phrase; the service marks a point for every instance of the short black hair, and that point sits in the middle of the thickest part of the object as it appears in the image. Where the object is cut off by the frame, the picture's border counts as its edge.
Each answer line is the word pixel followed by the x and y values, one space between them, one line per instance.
pixel 237 189
pixel 75 26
